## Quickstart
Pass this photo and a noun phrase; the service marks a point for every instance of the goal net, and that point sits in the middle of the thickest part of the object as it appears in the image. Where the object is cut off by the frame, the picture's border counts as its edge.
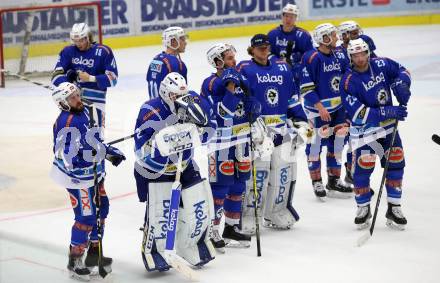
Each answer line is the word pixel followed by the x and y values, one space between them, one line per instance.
pixel 32 37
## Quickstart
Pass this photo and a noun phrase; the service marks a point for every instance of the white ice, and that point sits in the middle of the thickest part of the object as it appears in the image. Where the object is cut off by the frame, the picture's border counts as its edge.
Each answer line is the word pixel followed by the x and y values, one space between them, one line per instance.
pixel 36 218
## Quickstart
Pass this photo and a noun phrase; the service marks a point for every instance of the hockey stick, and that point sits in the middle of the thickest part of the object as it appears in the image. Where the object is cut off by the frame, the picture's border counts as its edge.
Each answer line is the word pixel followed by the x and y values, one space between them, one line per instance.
pixel 24 78
pixel 170 253
pixel 289 50
pixel 254 178
pixel 102 271
pixel 436 139
pixel 364 238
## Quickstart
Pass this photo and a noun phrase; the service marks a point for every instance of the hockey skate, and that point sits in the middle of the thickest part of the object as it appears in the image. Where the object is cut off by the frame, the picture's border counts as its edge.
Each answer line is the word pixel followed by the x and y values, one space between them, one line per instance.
pixel 395 218
pixel 234 239
pixel 217 241
pixel 318 189
pixel 91 261
pixel 363 216
pixel 336 189
pixel 77 269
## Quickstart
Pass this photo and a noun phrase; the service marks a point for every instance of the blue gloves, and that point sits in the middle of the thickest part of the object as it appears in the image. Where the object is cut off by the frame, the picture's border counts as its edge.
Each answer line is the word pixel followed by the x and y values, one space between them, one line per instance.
pixel 252 106
pixel 393 112
pixel 114 155
pixel 231 75
pixel 401 91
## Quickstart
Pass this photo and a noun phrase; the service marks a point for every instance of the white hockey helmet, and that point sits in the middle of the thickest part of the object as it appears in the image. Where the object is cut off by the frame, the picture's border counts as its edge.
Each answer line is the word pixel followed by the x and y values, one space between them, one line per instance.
pixel 62 93
pixel 323 30
pixel 357 46
pixel 171 88
pixel 216 53
pixel 343 27
pixel 291 9
pixel 172 33
pixel 352 25
pixel 79 30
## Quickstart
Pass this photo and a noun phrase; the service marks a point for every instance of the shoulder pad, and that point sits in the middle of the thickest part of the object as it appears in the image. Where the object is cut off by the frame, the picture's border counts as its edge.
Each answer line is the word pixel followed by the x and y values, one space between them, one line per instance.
pixel 347 80
pixel 106 48
pixel 242 64
pixel 312 56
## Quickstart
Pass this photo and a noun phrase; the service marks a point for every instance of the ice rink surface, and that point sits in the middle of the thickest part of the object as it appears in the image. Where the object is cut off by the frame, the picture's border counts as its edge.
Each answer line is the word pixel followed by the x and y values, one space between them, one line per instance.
pixel 36 218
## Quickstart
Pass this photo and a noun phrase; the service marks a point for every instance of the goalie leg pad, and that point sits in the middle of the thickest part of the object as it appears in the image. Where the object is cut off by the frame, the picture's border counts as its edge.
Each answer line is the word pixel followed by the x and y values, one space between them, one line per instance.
pixel 279 212
pixel 247 221
pixel 195 223
pixel 156 226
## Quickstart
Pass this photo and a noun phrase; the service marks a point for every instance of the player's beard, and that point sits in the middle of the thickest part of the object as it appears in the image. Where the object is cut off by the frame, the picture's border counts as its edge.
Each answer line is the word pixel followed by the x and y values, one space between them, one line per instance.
pixel 79 107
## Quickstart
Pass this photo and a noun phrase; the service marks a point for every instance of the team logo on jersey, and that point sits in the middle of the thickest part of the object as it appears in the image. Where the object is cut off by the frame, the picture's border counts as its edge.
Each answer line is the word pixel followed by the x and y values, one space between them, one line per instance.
pixel 375 80
pixel 272 96
pixel 334 66
pixel 156 66
pixel 267 78
pixel 334 83
pixel 382 96
pixel 83 61
pixel 367 161
pixel 239 111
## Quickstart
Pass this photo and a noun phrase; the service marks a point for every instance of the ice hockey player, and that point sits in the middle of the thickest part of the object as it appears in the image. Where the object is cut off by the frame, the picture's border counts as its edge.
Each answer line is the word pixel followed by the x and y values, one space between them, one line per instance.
pixel 174 42
pixel 366 92
pixel 89 65
pixel 76 137
pixel 320 78
pixel 229 168
pixel 155 174
pixel 272 84
pixel 350 30
pixel 301 41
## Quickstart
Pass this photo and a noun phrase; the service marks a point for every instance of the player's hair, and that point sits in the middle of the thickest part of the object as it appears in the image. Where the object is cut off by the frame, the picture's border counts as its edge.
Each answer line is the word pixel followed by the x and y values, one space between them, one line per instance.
pixel 250 51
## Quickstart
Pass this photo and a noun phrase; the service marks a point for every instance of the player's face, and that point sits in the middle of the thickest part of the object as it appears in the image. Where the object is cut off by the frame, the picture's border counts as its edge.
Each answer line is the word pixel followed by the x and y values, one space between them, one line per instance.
pixel 345 38
pixel 82 44
pixel 331 40
pixel 289 19
pixel 261 52
pixel 182 44
pixel 360 60
pixel 229 59
pixel 354 34
pixel 75 102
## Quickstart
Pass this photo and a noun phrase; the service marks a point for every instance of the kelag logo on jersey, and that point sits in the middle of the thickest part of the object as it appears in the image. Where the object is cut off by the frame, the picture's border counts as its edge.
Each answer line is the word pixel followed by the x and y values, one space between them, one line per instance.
pixel 83 61
pixel 374 81
pixel 272 96
pixel 335 66
pixel 267 78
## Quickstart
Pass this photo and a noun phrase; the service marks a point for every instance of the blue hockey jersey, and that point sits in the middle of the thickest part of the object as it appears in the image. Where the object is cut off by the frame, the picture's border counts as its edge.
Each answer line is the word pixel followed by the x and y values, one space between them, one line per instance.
pixel 301 39
pixel 320 78
pixel 155 115
pixel 72 145
pixel 98 61
pixel 364 93
pixel 160 67
pixel 274 88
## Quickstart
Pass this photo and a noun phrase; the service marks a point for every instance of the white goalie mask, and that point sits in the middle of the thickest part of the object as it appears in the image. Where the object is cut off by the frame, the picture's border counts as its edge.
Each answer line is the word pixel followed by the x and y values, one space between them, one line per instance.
pixel 171 88
pixel 216 53
pixel 357 46
pixel 323 30
pixel 291 9
pixel 62 93
pixel 79 30
pixel 173 33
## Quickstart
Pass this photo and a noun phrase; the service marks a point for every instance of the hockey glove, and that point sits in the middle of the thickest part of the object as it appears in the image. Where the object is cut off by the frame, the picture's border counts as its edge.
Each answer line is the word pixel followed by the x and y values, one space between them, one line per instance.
pixel 393 112
pixel 252 107
pixel 231 75
pixel 72 76
pixel 114 155
pixel 189 111
pixel 401 91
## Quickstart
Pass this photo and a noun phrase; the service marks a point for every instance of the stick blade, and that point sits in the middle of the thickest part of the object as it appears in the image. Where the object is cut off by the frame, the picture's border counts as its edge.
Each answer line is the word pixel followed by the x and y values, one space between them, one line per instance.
pixel 436 139
pixel 363 239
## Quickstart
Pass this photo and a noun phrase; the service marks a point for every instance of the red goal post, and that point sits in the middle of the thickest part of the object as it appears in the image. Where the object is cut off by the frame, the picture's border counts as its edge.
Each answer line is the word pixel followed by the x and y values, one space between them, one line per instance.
pixel 31 37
